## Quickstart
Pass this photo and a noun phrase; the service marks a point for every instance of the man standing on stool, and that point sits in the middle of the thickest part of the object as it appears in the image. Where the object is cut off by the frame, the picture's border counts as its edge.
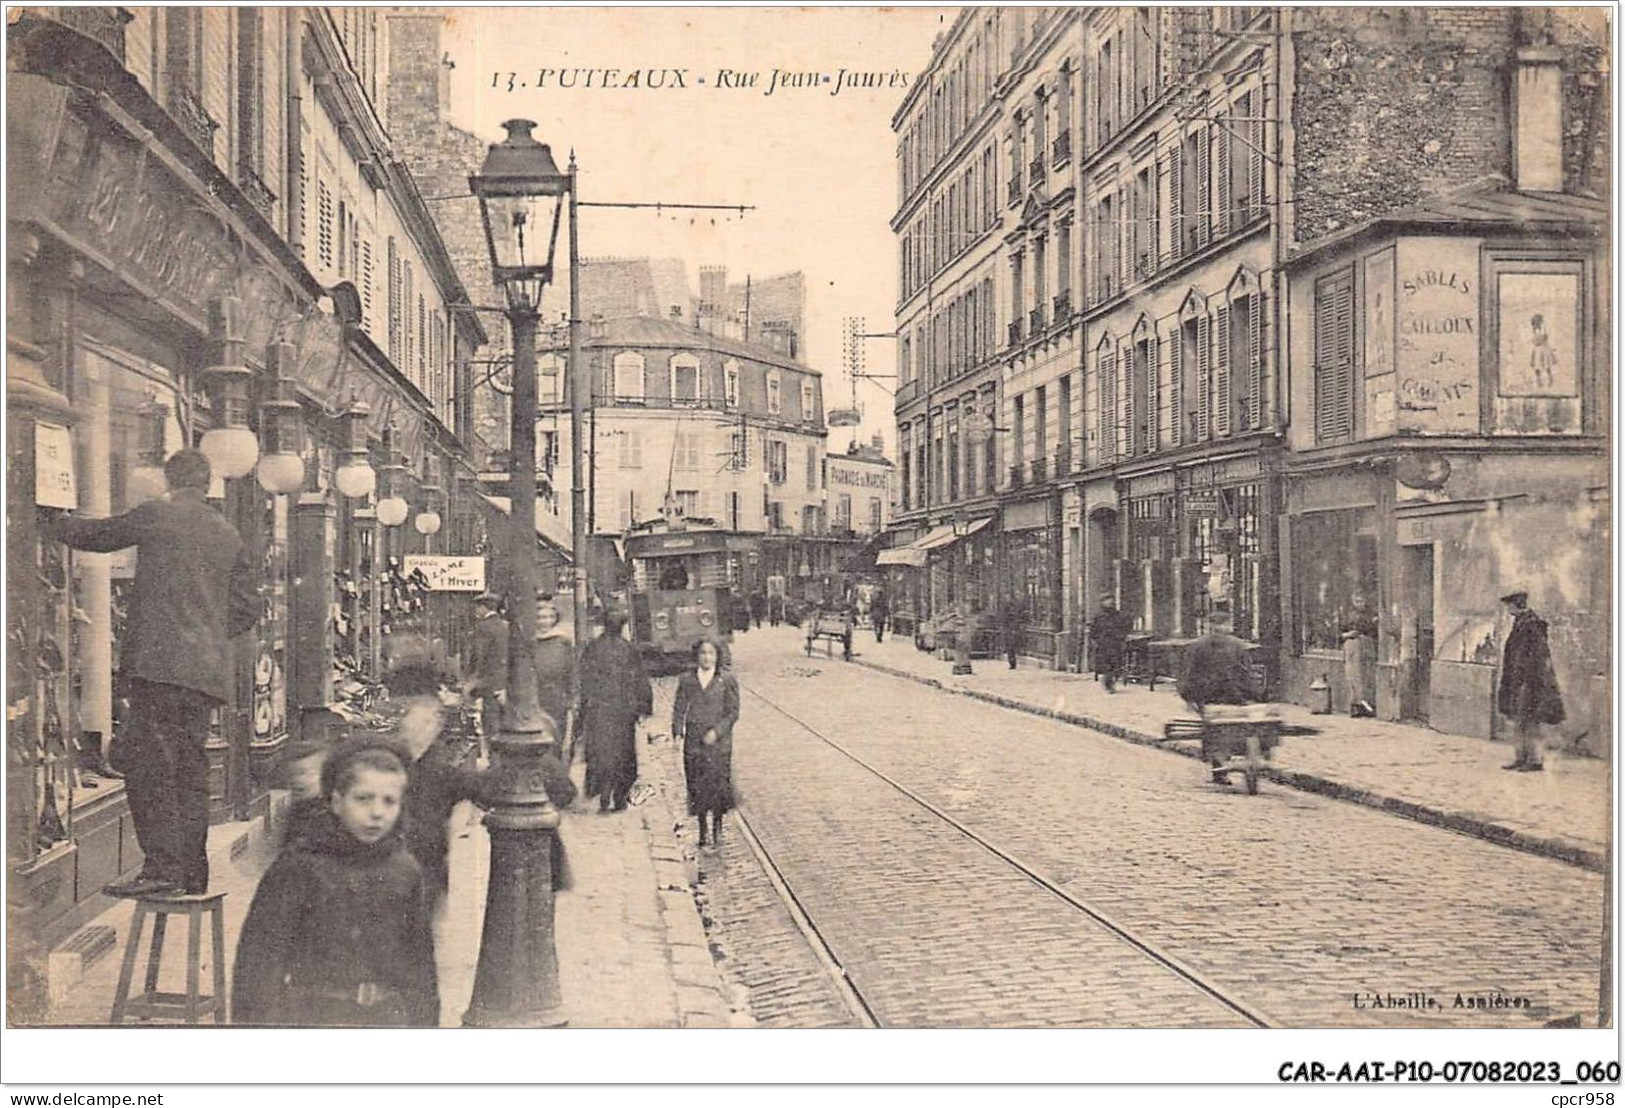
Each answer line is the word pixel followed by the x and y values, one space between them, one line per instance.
pixel 194 592
pixel 1528 692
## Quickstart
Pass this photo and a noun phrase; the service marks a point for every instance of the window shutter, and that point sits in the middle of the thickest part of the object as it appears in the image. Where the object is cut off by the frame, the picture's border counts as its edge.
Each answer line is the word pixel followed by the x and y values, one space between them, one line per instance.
pixel 1176 203
pixel 423 343
pixel 366 283
pixel 1105 408
pixel 406 362
pixel 1118 282
pixel 1255 361
pixel 1204 377
pixel 1176 393
pixel 1124 390
pixel 1131 402
pixel 1221 416
pixel 1334 357
pixel 394 303
pixel 1226 138
pixel 1204 187
pixel 324 224
pixel 1255 156
pixel 1153 394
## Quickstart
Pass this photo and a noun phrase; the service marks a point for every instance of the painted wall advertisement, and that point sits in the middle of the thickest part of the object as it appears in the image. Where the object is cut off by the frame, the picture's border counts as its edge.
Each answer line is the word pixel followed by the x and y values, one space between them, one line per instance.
pixel 1538 352
pixel 1378 353
pixel 1438 318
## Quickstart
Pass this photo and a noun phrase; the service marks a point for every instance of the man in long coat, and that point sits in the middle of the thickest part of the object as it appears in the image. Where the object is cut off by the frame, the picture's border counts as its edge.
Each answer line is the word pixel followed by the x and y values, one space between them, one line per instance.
pixel 194 592
pixel 1528 692
pixel 1108 640
pixel 615 692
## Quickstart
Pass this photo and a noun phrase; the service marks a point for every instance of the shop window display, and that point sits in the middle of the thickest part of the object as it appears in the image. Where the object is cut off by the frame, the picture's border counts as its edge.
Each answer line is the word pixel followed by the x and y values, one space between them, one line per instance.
pixel 1334 558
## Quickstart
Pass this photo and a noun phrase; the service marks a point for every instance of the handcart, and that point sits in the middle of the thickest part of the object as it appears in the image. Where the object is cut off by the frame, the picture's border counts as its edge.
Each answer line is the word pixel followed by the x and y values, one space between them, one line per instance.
pixel 1234 739
pixel 832 627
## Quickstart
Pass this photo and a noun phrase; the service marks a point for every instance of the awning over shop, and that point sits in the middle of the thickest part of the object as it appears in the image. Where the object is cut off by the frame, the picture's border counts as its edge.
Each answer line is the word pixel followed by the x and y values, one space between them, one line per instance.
pixel 549 528
pixel 918 552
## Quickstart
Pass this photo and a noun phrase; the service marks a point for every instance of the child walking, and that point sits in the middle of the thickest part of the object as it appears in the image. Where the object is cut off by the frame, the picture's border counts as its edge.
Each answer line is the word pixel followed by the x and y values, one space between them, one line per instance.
pixel 338 934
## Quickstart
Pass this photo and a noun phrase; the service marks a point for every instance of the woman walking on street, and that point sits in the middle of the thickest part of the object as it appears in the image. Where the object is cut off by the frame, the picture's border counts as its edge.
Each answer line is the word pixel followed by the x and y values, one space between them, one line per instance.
pixel 704 714
pixel 555 659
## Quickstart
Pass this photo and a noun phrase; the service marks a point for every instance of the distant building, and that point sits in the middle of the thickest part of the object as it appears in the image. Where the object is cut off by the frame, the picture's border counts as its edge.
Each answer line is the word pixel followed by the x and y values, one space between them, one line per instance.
pixel 859 485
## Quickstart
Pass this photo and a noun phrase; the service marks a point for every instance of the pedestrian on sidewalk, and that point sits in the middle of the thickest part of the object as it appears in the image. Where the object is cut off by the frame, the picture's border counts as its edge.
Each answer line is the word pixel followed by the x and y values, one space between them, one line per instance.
pixel 1108 641
pixel 1528 692
pixel 338 934
pixel 1011 621
pixel 487 677
pixel 555 657
pixel 194 592
pixel 758 607
pixel 615 693
pixel 703 717
pixel 880 613
pixel 1360 657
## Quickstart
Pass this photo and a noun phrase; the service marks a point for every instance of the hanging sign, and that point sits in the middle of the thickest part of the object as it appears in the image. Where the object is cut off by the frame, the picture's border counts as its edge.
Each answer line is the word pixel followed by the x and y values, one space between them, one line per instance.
pixel 448 572
pixel 55 485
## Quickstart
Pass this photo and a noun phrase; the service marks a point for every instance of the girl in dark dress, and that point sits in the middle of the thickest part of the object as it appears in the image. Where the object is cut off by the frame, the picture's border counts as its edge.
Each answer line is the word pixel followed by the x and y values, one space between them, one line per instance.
pixel 704 714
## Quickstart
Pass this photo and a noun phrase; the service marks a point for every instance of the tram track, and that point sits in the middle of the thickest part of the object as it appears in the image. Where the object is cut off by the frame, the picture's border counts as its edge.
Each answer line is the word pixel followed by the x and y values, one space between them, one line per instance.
pixel 867 1010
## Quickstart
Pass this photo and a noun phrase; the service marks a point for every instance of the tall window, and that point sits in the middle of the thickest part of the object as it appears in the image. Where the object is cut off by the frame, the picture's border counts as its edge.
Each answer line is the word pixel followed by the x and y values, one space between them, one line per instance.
pixel 775 402
pixel 631 449
pixel 809 411
pixel 394 302
pixel 1063 436
pixel 1063 268
pixel 990 474
pixel 1018 432
pixel 1106 401
pixel 1334 358
pixel 953 454
pixel 730 384
pixel 628 369
pixel 1041 422
pixel 1018 294
pixel 778 461
pixel 1141 414
pixel 843 512
pixel 874 515
pixel 1106 93
pixel 812 468
pixel 1143 225
pixel 685 378
pixel 549 375
pixel 1040 283
pixel 1196 379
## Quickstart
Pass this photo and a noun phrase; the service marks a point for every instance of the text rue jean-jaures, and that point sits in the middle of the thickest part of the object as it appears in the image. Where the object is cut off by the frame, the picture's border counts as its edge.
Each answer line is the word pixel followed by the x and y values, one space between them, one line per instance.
pixel 763 82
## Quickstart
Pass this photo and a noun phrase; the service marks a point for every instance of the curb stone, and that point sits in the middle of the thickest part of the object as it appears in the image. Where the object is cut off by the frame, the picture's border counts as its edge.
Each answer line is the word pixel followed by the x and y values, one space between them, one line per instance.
pixel 1555 849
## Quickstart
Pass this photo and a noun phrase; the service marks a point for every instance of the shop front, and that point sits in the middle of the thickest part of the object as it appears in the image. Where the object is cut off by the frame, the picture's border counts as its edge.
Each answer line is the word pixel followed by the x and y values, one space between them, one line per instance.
pixel 1032 569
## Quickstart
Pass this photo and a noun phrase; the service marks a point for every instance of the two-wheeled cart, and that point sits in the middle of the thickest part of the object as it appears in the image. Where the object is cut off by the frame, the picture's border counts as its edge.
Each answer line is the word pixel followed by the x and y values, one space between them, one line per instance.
pixel 1235 739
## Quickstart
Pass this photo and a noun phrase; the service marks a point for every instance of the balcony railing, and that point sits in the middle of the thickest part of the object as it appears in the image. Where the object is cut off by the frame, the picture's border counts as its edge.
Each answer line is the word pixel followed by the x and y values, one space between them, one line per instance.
pixel 187 108
pixel 1040 467
pixel 1017 472
pixel 1063 307
pixel 1013 190
pixel 258 194
pixel 1015 331
pixel 1061 148
pixel 1036 322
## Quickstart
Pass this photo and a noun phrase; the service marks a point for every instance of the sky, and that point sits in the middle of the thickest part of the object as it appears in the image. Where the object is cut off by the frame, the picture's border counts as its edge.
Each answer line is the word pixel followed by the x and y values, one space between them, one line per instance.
pixel 819 168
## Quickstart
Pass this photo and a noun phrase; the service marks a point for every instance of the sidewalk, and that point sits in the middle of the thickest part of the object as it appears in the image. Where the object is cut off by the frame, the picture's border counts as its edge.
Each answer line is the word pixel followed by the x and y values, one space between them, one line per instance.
pixel 631 948
pixel 1450 781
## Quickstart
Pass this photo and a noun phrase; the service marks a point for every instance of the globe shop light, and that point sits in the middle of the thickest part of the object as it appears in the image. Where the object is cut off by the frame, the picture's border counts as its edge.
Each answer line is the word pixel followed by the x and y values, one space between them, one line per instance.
pixel 427 521
pixel 282 468
pixel 356 478
pixel 392 506
pixel 231 447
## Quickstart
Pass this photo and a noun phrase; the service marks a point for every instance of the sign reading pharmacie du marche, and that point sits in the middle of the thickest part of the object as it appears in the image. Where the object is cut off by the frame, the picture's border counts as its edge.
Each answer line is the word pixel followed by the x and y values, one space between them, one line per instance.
pixel 448 572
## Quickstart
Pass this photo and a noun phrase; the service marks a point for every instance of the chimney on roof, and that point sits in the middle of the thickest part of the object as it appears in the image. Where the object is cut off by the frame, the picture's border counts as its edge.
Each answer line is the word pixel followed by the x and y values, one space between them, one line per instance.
pixel 879 443
pixel 1537 109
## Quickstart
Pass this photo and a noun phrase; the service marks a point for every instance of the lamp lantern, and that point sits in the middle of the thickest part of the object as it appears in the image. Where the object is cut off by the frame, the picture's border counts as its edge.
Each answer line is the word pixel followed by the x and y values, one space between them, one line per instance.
pixel 521 194
pixel 281 468
pixel 356 478
pixel 230 445
pixel 392 506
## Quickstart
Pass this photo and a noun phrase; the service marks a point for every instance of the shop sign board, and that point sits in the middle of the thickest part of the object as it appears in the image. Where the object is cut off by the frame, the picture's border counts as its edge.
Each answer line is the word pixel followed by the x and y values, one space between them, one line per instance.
pixel 448 572
pixel 55 483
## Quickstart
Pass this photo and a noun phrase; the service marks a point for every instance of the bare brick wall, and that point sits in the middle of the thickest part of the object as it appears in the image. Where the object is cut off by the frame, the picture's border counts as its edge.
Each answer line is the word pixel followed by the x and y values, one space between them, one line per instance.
pixel 1582 34
pixel 1394 105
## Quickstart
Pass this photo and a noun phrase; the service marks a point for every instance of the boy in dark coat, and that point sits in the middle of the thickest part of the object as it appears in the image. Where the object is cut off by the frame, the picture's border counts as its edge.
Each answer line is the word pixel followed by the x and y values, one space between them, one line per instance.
pixel 1528 692
pixel 338 934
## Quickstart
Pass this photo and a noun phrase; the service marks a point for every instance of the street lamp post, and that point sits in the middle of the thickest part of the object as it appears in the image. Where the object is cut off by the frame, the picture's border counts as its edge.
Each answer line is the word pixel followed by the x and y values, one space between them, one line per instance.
pixel 516 984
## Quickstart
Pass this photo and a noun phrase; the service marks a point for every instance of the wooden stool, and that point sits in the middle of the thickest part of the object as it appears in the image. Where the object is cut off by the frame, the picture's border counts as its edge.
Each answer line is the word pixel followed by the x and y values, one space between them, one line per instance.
pixel 190 1005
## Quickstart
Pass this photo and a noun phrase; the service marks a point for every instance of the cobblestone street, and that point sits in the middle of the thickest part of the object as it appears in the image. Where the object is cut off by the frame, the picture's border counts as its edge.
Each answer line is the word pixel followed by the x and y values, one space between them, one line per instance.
pixel 1304 909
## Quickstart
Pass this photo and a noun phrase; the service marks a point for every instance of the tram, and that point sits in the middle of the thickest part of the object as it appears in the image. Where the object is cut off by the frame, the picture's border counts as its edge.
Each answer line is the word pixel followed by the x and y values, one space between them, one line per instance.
pixel 682 584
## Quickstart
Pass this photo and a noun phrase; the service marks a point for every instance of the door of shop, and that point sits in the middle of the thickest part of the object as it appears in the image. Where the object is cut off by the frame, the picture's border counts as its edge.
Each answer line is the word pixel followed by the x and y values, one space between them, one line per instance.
pixel 1416 634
